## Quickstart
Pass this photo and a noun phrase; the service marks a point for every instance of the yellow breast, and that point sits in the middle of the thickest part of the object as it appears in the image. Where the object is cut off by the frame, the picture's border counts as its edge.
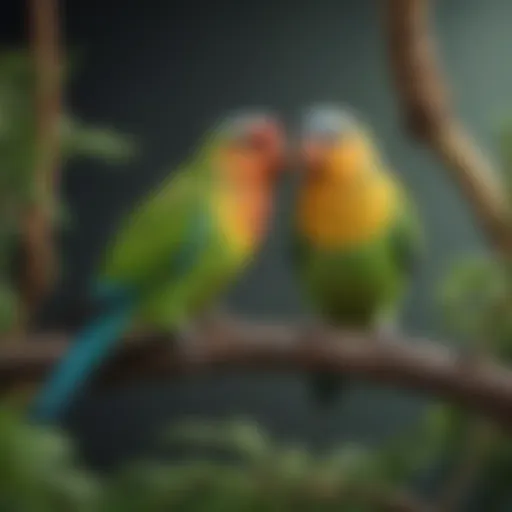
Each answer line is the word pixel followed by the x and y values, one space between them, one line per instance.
pixel 233 224
pixel 332 214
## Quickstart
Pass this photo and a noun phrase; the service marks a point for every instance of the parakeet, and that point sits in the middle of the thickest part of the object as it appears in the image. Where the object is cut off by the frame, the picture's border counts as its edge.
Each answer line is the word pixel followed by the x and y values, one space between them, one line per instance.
pixel 179 249
pixel 357 237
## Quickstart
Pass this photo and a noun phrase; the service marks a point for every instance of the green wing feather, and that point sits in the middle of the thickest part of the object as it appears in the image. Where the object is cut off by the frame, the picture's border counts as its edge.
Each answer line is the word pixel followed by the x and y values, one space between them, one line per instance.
pixel 140 254
pixel 161 226
pixel 407 238
pixel 171 252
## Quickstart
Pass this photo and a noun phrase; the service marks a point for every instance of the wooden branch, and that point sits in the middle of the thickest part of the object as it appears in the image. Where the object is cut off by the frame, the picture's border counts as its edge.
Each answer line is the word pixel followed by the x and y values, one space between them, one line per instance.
pixel 38 244
pixel 425 102
pixel 412 364
pixel 426 105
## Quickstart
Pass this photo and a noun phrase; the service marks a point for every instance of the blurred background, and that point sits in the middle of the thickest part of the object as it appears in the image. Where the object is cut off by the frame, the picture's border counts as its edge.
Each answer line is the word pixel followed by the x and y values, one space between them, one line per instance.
pixel 163 72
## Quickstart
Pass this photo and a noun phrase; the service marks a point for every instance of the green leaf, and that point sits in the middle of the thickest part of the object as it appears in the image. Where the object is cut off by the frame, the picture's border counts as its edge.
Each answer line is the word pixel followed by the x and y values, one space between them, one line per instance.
pixel 243 438
pixel 81 140
pixel 37 470
pixel 293 463
pixel 476 301
pixel 351 464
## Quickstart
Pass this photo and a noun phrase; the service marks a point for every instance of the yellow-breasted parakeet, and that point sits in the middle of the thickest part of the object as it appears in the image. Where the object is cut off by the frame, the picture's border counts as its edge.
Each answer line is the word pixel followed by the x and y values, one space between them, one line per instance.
pixel 356 235
pixel 179 249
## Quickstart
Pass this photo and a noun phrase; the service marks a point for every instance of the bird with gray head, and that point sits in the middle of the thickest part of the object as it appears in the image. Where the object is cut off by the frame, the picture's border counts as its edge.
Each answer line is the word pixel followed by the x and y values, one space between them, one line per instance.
pixel 356 234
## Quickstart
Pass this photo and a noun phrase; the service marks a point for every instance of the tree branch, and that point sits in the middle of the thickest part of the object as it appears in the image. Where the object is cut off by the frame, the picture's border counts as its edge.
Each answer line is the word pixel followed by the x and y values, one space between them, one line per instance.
pixel 426 105
pixel 429 118
pixel 412 364
pixel 37 243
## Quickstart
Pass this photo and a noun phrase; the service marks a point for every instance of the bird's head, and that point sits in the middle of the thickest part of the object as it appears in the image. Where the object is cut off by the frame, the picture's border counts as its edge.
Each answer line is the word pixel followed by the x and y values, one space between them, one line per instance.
pixel 252 146
pixel 334 142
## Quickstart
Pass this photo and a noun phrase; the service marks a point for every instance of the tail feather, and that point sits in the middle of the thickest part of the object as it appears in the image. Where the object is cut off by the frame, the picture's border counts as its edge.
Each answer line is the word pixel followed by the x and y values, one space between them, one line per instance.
pixel 326 387
pixel 88 350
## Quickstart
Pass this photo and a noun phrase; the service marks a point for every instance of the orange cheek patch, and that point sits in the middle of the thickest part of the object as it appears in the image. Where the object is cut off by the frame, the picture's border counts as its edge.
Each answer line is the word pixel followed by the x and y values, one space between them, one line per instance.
pixel 234 162
pixel 243 211
pixel 348 158
pixel 244 204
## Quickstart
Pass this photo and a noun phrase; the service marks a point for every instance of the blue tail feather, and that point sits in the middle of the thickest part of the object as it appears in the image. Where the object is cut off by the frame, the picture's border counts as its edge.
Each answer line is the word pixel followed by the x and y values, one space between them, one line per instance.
pixel 89 349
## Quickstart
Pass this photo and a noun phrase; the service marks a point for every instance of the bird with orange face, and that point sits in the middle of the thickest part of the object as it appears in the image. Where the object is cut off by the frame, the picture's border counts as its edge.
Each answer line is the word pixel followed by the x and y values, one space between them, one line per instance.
pixel 357 237
pixel 180 249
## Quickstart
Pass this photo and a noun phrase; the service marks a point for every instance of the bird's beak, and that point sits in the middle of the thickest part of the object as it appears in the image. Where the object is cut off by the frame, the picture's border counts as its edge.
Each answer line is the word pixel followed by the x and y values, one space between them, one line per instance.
pixel 278 153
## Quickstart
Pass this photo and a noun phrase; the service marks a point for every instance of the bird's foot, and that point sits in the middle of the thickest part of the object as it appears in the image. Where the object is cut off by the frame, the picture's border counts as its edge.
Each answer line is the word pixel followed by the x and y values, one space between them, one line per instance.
pixel 214 319
pixel 469 357
pixel 312 331
pixel 189 340
pixel 218 325
pixel 213 326
pixel 386 332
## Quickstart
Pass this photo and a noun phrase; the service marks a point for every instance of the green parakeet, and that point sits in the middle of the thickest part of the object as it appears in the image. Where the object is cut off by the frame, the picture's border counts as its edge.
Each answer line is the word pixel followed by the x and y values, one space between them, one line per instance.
pixel 179 249
pixel 356 236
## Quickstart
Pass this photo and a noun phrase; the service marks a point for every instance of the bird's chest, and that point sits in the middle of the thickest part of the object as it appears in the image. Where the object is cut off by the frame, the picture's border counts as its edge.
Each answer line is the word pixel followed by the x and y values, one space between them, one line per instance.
pixel 334 215
pixel 344 256
pixel 351 284
pixel 240 222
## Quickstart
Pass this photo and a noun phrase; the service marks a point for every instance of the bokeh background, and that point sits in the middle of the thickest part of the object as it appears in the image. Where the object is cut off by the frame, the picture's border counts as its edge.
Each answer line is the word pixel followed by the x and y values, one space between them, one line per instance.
pixel 164 71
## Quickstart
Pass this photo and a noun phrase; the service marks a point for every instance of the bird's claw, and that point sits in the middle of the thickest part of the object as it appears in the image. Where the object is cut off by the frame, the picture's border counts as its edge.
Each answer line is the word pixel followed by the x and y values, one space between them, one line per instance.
pixel 212 326
pixel 188 340
pixel 311 333
pixel 214 319
pixel 386 332
pixel 468 357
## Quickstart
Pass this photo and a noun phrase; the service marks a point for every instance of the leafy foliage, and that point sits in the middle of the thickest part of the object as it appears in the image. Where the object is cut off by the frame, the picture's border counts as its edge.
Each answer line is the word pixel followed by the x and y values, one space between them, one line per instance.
pixel 476 304
pixel 17 159
pixel 476 299
pixel 39 472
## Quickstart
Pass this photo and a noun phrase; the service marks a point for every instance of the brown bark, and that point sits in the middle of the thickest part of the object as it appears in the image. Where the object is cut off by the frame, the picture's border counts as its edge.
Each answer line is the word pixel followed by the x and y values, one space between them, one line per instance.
pixel 38 251
pixel 424 98
pixel 412 364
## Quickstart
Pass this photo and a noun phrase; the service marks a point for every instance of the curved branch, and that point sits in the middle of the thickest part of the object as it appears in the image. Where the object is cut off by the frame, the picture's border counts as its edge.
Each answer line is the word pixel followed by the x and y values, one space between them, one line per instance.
pixel 412 364
pixel 424 97
pixel 429 118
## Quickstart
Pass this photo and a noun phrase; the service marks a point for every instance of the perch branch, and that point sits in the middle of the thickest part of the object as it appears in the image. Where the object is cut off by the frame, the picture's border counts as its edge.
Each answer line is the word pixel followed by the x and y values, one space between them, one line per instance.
pixel 413 364
pixel 37 244
pixel 425 102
